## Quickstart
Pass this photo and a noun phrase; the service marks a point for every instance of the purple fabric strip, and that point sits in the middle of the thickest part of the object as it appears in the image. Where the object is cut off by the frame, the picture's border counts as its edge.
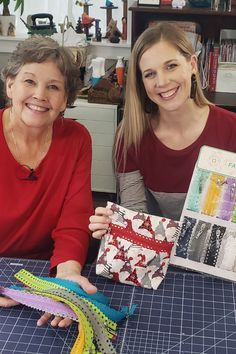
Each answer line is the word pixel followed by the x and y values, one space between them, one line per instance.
pixel 229 198
pixel 39 302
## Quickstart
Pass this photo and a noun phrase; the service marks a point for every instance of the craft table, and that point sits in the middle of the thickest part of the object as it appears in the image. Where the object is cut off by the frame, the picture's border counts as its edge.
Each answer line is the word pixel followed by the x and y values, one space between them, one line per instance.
pixel 189 313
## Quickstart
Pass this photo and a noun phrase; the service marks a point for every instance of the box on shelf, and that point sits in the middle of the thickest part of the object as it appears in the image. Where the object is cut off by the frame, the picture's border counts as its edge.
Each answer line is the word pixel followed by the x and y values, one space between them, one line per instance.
pixel 226 72
pixel 226 78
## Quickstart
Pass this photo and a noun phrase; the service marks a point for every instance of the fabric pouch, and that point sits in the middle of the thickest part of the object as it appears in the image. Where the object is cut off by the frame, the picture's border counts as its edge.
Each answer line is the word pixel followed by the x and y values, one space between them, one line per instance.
pixel 136 248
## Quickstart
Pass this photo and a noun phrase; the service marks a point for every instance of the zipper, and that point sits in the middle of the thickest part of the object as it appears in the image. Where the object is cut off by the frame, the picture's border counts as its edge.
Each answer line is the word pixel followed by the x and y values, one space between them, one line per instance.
pixel 140 240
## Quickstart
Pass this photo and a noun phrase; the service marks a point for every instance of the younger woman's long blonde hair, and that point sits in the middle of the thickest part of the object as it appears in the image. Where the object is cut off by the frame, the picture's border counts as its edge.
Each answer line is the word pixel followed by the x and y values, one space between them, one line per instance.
pixel 138 107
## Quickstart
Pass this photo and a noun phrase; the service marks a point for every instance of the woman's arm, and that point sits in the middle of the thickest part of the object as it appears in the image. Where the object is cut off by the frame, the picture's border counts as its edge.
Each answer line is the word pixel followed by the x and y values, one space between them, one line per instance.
pixel 132 196
pixel 132 191
pixel 71 235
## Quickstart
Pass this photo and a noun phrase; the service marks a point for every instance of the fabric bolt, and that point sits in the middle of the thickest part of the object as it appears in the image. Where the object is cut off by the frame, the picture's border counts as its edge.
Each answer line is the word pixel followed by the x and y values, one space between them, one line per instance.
pixel 149 182
pixel 48 218
pixel 136 248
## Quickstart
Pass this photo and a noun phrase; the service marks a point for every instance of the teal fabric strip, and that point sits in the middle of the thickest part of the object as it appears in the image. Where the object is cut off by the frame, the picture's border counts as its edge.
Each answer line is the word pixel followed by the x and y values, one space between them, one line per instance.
pixel 109 312
pixel 98 296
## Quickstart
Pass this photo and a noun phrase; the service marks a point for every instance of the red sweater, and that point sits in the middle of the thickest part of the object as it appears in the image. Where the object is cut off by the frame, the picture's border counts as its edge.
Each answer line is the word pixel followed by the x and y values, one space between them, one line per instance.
pixel 48 218
pixel 170 171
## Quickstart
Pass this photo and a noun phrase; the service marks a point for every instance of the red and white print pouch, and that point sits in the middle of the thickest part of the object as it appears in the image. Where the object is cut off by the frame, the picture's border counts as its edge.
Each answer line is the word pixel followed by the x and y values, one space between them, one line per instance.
pixel 136 248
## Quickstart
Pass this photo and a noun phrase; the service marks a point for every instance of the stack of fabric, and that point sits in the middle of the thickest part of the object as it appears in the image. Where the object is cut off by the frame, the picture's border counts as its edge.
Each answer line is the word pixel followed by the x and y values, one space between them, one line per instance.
pixel 97 320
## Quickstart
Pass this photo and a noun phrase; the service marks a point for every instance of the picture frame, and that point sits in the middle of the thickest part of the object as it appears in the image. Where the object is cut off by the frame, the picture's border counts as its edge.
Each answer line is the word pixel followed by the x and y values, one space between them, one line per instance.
pixel 149 2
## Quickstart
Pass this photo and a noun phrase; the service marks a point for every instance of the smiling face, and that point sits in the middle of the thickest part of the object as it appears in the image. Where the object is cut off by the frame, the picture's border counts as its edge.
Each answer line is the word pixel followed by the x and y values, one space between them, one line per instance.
pixel 166 75
pixel 37 93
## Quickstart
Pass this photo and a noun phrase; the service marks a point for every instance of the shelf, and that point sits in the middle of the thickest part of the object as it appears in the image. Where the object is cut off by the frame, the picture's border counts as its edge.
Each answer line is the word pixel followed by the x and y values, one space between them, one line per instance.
pixel 210 23
pixel 203 11
pixel 8 44
pixel 107 43
pixel 222 99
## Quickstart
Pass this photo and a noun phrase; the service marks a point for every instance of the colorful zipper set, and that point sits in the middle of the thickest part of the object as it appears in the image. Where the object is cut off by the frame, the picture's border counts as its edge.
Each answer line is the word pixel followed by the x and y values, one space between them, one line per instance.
pixel 97 320
pixel 213 194
pixel 207 238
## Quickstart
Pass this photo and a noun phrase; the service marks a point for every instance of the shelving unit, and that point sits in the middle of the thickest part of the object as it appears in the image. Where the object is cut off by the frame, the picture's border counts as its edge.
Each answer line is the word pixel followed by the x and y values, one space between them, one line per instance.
pixel 210 21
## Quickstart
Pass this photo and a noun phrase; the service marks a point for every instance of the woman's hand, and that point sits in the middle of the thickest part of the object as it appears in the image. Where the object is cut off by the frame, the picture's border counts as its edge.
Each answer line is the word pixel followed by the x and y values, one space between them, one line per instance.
pixel 70 270
pixel 6 302
pixel 99 222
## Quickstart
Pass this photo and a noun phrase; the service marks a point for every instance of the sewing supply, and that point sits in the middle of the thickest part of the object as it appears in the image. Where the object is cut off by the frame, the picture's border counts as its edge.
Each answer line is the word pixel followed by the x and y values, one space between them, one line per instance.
pixel 39 302
pixel 197 188
pixel 198 241
pixel 67 299
pixel 206 242
pixel 185 236
pixel 213 194
pixel 136 248
pixel 214 244
pixel 227 255
pixel 120 70
pixel 228 199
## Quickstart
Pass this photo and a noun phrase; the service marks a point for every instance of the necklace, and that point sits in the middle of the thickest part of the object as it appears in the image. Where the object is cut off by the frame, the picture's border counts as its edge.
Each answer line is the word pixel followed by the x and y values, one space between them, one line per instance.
pixel 40 155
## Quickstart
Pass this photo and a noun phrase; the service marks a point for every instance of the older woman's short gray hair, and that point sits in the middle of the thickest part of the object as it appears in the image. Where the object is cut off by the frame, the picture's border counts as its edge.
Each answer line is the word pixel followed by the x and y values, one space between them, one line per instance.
pixel 38 49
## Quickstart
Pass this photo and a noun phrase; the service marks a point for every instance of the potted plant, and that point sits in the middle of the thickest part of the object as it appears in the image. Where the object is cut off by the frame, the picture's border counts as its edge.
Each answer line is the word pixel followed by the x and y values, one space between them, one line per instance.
pixel 7 20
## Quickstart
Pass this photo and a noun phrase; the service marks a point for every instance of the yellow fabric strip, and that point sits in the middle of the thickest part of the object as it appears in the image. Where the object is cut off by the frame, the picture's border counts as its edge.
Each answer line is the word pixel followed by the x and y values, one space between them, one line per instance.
pixel 211 201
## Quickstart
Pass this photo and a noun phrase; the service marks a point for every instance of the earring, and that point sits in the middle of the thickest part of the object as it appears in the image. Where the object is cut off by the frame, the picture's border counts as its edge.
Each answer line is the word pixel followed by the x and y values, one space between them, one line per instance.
pixel 193 86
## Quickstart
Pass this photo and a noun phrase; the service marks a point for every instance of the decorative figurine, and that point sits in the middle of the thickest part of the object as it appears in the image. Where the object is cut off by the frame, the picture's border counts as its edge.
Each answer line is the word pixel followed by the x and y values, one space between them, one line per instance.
pixel 124 28
pixel 109 7
pixel 96 27
pixel 99 35
pixel 85 4
pixel 82 3
pixel 79 26
pixel 87 22
pixel 109 3
pixel 11 30
pixel 113 34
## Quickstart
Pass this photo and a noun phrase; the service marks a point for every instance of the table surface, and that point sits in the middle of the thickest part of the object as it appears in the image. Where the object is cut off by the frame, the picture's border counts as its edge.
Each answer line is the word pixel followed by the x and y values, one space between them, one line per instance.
pixel 189 313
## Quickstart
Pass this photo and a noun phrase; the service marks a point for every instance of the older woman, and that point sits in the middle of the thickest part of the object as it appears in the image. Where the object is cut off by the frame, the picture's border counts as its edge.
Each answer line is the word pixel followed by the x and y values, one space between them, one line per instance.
pixel 45 163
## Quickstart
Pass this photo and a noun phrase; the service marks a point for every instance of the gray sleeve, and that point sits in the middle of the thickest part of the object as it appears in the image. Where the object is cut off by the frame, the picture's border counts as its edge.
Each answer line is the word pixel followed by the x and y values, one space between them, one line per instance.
pixel 132 191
